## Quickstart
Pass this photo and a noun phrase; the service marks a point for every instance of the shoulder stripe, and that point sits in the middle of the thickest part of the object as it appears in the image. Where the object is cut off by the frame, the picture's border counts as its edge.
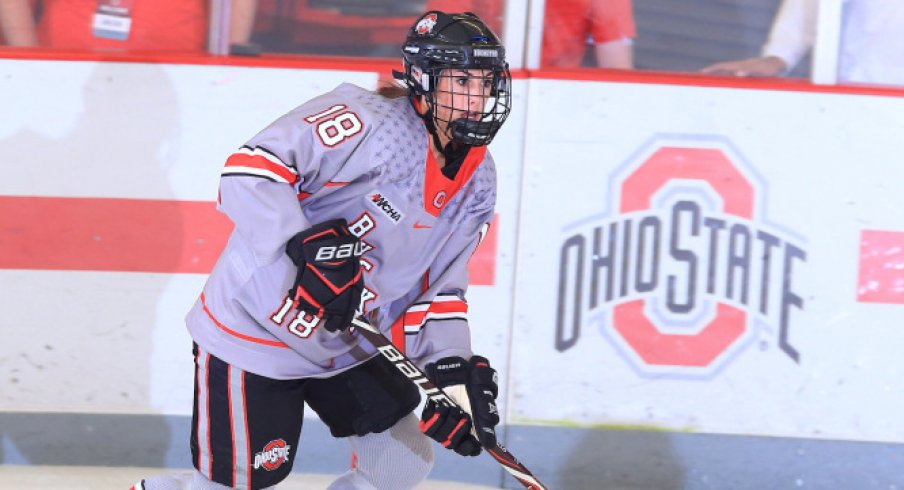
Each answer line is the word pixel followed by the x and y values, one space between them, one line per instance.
pixel 264 152
pixel 244 172
pixel 259 163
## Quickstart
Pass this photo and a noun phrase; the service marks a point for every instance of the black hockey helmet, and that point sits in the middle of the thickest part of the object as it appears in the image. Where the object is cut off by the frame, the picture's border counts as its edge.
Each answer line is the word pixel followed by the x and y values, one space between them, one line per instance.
pixel 438 44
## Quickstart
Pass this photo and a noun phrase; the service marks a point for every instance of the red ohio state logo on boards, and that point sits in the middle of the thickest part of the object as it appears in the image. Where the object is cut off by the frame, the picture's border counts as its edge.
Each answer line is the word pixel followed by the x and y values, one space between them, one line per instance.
pixel 683 271
pixel 275 453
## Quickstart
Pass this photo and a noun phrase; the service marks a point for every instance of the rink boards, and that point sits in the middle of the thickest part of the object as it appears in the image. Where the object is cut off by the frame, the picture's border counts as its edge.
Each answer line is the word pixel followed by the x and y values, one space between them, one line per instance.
pixel 717 260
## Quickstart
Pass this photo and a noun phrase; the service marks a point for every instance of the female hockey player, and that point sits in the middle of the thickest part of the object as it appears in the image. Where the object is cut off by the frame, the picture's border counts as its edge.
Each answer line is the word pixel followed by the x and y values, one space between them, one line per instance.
pixel 355 204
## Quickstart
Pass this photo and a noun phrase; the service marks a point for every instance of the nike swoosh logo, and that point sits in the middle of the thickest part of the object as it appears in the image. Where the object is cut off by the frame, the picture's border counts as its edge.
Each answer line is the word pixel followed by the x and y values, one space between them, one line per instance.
pixel 418 225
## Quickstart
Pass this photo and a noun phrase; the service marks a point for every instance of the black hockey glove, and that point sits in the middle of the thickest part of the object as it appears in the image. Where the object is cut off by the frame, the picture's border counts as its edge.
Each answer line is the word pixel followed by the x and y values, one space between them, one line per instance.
pixel 473 385
pixel 329 282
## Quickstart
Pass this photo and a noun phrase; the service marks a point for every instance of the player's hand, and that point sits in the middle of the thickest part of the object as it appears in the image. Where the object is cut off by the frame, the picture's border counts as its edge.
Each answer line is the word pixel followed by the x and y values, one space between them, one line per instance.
pixel 473 385
pixel 329 281
pixel 768 66
pixel 451 427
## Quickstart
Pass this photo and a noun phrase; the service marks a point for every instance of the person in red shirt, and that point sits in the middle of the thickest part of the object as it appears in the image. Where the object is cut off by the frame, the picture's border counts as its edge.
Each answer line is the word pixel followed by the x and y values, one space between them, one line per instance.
pixel 124 25
pixel 108 25
pixel 568 24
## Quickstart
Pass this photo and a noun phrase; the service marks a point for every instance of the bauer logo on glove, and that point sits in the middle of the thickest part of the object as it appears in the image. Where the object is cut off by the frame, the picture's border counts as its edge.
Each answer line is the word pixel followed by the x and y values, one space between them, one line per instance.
pixel 329 281
pixel 327 253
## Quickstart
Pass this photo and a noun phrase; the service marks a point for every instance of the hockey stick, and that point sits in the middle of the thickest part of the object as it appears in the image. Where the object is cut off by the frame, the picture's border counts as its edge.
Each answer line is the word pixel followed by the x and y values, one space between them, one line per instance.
pixel 412 372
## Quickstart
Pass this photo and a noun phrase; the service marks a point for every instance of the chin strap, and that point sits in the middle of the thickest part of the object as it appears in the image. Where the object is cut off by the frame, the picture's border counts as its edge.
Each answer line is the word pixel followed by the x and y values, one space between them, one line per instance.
pixel 453 151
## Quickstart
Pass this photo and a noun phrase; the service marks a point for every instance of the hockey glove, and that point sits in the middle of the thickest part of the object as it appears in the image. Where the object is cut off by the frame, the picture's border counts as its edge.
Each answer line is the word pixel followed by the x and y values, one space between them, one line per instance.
pixel 473 385
pixel 329 282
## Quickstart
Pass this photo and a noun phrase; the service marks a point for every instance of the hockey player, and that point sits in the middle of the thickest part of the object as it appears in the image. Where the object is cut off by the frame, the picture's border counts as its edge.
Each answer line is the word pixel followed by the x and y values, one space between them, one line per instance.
pixel 355 204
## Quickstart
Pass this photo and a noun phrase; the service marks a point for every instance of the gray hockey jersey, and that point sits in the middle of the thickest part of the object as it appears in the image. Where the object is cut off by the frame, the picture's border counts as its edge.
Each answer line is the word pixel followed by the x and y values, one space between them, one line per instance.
pixel 352 154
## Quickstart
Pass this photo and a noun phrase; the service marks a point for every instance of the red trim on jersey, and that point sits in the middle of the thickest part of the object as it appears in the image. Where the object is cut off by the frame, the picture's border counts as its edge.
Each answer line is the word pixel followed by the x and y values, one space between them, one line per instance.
pixel 417 314
pixel 398 333
pixel 256 340
pixel 335 184
pixel 417 318
pixel 261 163
pixel 438 189
pixel 398 328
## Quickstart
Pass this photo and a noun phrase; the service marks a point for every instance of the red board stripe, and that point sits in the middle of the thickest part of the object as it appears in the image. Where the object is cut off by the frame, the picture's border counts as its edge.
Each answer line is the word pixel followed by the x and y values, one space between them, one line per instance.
pixel 102 234
pixel 482 266
pixel 134 235
pixel 880 277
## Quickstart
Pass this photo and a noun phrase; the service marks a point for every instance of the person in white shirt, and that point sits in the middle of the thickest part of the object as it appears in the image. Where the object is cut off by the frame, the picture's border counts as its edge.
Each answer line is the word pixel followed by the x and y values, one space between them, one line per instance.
pixel 871 49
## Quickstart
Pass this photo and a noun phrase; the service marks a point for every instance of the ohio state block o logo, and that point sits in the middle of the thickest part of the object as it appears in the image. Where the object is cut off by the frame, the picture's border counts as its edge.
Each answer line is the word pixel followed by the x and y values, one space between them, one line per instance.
pixel 629 320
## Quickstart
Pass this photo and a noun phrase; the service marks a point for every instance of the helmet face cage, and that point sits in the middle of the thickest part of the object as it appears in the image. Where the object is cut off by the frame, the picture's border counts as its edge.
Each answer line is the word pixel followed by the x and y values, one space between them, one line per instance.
pixel 469 104
pixel 458 65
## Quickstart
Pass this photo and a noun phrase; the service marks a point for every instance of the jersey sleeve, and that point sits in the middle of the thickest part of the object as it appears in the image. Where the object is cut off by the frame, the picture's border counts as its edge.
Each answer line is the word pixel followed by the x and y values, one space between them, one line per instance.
pixel 436 324
pixel 262 183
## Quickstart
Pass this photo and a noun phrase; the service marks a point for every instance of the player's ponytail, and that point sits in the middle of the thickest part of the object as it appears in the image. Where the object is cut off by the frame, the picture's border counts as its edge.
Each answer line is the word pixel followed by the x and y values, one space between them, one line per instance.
pixel 392 91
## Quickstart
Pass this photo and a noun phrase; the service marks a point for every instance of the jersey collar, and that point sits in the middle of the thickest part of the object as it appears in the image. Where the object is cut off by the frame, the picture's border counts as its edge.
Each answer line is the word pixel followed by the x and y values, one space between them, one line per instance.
pixel 439 189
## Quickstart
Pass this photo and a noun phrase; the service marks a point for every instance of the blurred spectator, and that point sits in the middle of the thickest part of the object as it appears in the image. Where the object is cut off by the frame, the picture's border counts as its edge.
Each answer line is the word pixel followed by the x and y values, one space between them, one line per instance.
pixel 371 8
pixel 871 48
pixel 568 23
pixel 351 27
pixel 139 25
pixel 490 11
pixel 332 27
pixel 241 25
pixel 17 25
pixel 110 25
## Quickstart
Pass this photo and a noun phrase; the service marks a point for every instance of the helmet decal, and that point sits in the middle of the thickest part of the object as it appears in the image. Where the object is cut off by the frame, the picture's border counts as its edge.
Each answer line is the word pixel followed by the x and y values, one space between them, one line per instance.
pixel 425 25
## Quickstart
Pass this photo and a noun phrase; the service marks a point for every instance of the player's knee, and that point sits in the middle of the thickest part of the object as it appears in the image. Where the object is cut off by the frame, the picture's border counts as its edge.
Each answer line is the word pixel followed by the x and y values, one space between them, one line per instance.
pixel 410 454
pixel 416 446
